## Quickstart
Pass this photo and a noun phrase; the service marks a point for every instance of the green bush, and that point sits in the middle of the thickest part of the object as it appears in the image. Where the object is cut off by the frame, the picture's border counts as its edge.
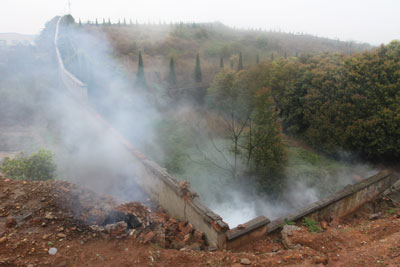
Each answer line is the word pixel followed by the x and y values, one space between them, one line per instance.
pixel 311 224
pixel 37 166
pixel 288 222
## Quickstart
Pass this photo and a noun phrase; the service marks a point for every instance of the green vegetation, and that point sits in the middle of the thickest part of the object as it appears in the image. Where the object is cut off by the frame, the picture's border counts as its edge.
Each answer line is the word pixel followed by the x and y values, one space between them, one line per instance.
pixel 248 119
pixel 391 211
pixel 311 224
pixel 336 102
pixel 37 166
pixel 140 77
pixel 198 77
pixel 339 103
pixel 159 42
pixel 172 75
pixel 288 222
pixel 240 64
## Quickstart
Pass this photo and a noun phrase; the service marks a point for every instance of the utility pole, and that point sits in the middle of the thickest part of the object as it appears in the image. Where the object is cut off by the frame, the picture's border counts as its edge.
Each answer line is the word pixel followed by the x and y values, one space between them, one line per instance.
pixel 69 6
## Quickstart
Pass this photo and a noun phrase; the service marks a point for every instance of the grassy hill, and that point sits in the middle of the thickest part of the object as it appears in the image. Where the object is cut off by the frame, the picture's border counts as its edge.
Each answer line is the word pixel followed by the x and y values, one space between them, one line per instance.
pixel 159 42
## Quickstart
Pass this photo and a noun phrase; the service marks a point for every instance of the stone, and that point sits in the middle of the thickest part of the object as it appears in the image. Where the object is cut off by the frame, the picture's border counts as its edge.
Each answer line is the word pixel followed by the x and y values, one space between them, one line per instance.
pixel 245 261
pixel 11 222
pixel 52 251
pixel 375 216
pixel 287 232
pixel 324 225
pixel 45 237
pixel 49 216
pixel 61 235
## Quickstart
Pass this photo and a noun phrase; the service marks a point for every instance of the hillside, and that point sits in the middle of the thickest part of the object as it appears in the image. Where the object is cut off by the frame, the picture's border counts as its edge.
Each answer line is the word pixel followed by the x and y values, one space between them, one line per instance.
pixel 159 42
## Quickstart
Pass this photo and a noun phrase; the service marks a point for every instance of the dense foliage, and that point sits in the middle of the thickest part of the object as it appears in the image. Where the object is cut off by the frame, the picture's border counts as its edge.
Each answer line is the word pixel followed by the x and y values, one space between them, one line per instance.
pixel 341 103
pixel 37 166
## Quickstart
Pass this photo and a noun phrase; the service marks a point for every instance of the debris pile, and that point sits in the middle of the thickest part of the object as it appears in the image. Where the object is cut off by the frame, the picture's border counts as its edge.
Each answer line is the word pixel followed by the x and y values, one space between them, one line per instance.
pixel 102 214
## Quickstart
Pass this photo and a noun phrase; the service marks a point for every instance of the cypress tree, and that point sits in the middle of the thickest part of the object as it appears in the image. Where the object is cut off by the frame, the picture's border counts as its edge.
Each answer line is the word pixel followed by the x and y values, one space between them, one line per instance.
pixel 240 64
pixel 130 22
pixel 257 59
pixel 221 62
pixel 119 22
pixel 140 78
pixel 80 22
pixel 124 21
pixel 172 76
pixel 109 21
pixel 97 23
pixel 197 70
pixel 104 22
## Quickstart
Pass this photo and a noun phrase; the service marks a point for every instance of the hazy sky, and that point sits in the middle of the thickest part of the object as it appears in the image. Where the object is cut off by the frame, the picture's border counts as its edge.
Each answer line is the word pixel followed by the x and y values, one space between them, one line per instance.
pixel 373 21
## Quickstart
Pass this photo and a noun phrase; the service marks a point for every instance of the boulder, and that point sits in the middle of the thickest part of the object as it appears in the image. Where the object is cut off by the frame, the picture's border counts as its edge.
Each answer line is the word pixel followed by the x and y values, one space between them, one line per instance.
pixel 287 233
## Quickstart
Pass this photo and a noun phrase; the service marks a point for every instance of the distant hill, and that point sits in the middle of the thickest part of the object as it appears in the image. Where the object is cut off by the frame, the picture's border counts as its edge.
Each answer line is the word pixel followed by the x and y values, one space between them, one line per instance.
pixel 159 42
pixel 12 38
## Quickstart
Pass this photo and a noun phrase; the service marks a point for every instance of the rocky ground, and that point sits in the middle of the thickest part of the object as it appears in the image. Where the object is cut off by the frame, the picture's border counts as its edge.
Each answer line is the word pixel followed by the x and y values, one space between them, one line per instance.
pixel 56 223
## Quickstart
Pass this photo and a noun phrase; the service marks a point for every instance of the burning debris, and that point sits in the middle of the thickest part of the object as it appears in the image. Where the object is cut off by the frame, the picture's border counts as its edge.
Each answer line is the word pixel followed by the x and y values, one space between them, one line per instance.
pixel 103 215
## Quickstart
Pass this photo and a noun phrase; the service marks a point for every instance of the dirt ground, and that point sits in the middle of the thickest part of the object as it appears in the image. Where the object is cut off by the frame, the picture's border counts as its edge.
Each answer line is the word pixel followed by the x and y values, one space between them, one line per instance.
pixel 35 217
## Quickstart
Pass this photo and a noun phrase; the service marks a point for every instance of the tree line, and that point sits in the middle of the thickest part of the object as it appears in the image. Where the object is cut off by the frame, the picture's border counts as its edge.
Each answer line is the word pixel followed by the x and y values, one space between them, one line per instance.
pixel 340 103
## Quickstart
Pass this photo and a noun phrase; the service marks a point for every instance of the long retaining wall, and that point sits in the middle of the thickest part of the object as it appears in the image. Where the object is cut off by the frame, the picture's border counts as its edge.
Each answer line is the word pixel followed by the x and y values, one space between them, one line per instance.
pixel 343 202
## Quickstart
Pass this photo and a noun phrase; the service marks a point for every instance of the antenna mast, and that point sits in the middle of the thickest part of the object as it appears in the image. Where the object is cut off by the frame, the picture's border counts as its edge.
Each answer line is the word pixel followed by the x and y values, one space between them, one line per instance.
pixel 69 6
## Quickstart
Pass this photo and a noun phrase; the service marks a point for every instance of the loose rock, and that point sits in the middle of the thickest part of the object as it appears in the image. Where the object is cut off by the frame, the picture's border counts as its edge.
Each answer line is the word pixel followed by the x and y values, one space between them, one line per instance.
pixel 52 251
pixel 245 261
pixel 287 232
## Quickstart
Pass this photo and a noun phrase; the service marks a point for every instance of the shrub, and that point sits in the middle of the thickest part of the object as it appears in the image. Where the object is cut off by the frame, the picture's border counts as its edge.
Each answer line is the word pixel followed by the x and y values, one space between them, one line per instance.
pixel 288 222
pixel 37 167
pixel 311 224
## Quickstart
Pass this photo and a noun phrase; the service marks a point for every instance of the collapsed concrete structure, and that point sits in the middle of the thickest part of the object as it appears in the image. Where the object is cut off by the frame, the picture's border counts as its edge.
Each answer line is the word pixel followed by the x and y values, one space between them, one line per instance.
pixel 179 202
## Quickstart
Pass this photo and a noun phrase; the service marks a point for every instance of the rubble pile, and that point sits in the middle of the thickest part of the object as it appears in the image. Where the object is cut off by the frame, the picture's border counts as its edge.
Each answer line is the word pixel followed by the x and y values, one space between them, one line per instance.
pixel 179 234
pixel 102 214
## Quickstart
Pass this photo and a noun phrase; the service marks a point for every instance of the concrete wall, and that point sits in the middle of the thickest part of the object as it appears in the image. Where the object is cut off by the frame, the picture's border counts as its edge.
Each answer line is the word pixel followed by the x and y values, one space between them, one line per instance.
pixel 247 232
pixel 343 202
pixel 175 198
pixel 75 87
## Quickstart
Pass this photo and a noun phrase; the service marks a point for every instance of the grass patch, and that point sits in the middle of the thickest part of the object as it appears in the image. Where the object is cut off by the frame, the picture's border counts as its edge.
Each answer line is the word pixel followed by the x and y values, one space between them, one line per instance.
pixel 311 224
pixel 288 222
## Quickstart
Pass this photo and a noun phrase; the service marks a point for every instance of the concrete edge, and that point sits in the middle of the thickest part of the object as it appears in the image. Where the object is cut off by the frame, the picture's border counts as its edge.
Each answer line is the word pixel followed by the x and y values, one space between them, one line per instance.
pixel 318 205
pixel 249 227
